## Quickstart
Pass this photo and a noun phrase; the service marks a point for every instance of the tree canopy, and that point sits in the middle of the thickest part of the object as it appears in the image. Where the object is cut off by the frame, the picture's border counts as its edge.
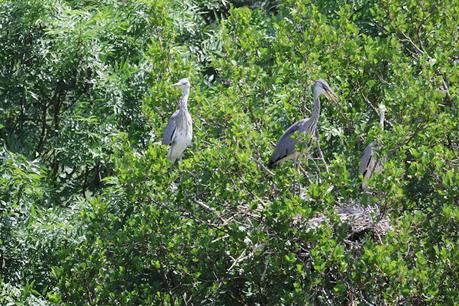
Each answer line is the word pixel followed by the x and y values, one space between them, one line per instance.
pixel 91 214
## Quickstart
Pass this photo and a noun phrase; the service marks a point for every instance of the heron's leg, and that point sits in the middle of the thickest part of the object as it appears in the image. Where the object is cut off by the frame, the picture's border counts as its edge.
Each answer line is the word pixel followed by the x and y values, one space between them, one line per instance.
pixel 296 163
pixel 170 170
pixel 321 154
pixel 179 161
pixel 174 164
pixel 295 185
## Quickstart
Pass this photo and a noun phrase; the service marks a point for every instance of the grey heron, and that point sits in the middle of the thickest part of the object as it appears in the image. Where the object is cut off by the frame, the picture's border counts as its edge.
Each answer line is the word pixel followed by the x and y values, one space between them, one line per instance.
pixel 369 162
pixel 179 131
pixel 285 148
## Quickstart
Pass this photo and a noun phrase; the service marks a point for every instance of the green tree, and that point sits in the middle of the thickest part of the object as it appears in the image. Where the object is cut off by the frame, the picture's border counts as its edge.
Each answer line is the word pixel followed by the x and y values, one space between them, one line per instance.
pixel 90 213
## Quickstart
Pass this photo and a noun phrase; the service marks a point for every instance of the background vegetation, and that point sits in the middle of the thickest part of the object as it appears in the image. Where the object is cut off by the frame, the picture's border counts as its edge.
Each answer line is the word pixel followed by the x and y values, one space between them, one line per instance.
pixel 89 213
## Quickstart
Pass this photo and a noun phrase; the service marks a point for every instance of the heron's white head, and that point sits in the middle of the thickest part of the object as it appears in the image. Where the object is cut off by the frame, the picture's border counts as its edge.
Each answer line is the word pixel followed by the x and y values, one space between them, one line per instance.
pixel 382 108
pixel 183 84
pixel 322 87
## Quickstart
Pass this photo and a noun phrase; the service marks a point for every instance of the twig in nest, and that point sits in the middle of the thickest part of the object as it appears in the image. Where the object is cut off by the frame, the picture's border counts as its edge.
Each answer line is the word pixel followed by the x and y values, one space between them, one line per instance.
pixel 238 260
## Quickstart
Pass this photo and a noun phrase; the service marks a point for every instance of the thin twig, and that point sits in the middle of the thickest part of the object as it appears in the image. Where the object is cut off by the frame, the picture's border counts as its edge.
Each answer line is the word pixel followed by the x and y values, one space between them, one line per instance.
pixel 363 299
pixel 305 173
pixel 264 271
pixel 200 203
pixel 416 48
pixel 219 238
pixel 446 89
pixel 262 166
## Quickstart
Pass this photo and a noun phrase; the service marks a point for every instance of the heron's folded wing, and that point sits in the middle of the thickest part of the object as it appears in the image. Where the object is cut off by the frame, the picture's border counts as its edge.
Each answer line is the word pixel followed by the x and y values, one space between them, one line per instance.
pixel 170 130
pixel 366 159
pixel 286 144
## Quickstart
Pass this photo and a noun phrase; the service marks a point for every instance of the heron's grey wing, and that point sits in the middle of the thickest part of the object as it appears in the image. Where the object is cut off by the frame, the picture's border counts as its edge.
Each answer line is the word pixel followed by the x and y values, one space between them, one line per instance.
pixel 170 130
pixel 367 159
pixel 286 144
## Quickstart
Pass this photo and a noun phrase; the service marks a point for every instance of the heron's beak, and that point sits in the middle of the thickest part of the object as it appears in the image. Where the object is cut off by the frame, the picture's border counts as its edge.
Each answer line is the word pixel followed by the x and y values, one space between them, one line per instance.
pixel 176 84
pixel 331 95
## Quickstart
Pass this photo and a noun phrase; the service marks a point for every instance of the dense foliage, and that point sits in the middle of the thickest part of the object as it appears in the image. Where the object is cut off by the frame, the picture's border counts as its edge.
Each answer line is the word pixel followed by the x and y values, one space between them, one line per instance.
pixel 90 214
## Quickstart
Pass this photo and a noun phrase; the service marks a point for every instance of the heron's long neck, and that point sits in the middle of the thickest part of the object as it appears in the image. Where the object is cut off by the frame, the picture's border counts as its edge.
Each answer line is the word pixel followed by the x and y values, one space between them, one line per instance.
pixel 381 121
pixel 316 112
pixel 184 99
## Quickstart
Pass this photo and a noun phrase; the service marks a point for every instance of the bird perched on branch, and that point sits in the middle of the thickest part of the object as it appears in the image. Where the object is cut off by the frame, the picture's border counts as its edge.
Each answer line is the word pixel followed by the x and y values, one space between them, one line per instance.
pixel 179 131
pixel 369 162
pixel 285 148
